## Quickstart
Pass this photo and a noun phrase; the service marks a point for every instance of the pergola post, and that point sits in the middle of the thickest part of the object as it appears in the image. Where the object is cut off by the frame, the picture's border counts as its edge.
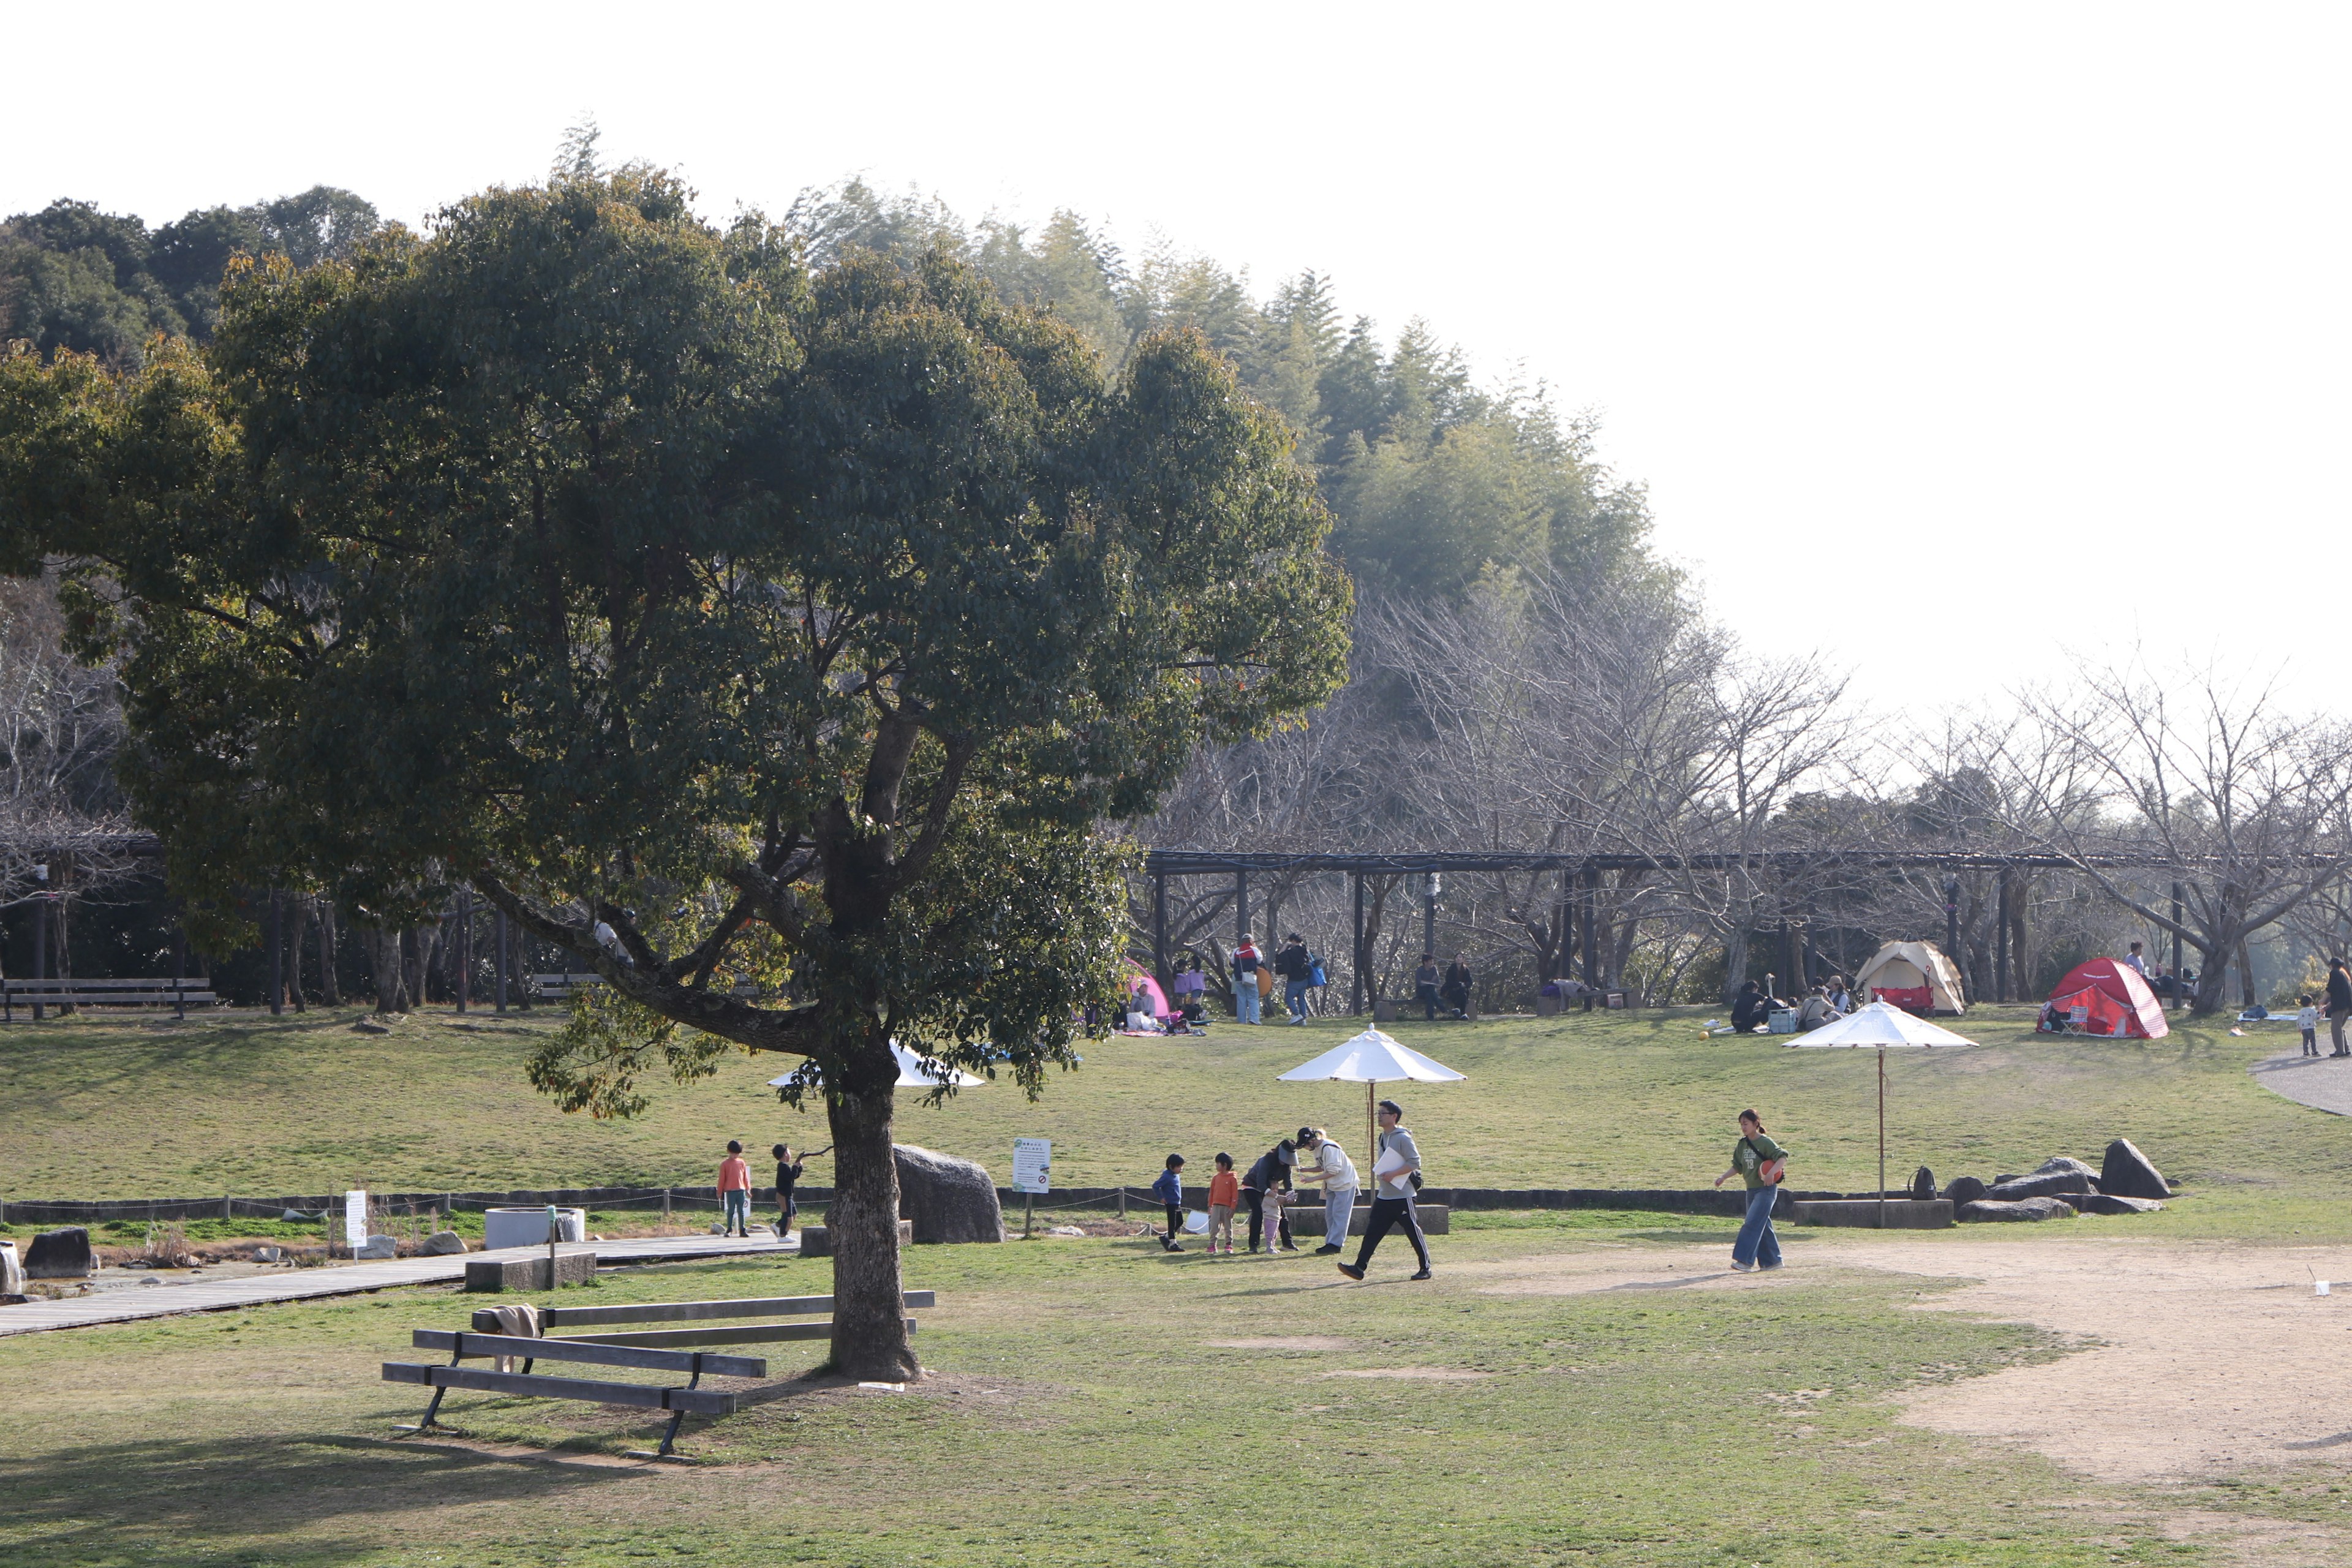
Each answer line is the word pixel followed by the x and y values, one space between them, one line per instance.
pixel 2001 941
pixel 1429 914
pixel 498 948
pixel 1592 914
pixel 1356 951
pixel 1160 931
pixel 465 955
pixel 2180 992
pixel 1241 904
pixel 1952 919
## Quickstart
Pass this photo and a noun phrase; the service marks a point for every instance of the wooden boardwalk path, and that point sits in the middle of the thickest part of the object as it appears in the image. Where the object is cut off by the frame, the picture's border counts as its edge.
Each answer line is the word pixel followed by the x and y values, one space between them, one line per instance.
pixel 130 1304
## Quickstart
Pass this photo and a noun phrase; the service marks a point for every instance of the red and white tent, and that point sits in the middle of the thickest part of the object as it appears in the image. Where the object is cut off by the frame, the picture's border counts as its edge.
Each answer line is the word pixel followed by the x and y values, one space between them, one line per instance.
pixel 2107 998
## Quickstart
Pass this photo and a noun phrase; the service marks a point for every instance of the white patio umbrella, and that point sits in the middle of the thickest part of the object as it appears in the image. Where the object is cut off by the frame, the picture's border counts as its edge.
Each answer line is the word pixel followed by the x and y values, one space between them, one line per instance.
pixel 1886 1026
pixel 1371 1057
pixel 912 1074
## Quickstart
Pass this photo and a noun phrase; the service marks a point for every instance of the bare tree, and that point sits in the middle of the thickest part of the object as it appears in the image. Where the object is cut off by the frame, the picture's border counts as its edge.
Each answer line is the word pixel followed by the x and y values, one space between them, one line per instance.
pixel 2200 781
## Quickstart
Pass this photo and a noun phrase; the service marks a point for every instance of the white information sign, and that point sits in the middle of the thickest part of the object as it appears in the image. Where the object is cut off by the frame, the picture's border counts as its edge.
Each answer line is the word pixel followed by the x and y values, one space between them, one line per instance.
pixel 1032 1165
pixel 356 1227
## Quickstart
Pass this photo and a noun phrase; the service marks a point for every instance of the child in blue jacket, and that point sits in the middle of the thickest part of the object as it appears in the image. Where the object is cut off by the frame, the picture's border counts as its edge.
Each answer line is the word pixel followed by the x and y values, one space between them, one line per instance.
pixel 1169 1190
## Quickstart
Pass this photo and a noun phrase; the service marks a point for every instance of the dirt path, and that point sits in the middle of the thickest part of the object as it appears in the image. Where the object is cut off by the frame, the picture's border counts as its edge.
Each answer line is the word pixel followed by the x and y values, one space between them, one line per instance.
pixel 2210 1358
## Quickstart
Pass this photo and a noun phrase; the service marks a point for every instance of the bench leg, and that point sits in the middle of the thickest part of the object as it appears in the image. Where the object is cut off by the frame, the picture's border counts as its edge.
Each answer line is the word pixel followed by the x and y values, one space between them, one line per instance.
pixel 432 1410
pixel 669 1438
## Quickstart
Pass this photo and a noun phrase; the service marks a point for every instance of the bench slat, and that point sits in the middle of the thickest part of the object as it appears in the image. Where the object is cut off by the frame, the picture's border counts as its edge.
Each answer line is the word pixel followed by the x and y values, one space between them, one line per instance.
pixel 599 1353
pixel 694 1401
pixel 692 1312
pixel 742 1334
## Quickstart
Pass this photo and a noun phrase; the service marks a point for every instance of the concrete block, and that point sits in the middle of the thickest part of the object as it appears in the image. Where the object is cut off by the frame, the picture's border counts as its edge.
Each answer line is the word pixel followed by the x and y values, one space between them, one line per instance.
pixel 816 1241
pixel 1935 1214
pixel 527 1273
pixel 1436 1219
pixel 12 1272
pixel 504 1228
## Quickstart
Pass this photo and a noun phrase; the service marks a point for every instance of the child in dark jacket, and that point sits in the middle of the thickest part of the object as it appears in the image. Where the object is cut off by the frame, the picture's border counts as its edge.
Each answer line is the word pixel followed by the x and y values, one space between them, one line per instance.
pixel 1169 1190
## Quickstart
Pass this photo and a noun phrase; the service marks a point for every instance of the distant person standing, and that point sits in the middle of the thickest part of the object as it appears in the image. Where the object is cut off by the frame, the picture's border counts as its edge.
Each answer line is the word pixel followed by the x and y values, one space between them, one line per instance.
pixel 2309 1022
pixel 1293 964
pixel 1394 1174
pixel 1760 1164
pixel 1248 961
pixel 735 1190
pixel 2136 959
pixel 2339 1005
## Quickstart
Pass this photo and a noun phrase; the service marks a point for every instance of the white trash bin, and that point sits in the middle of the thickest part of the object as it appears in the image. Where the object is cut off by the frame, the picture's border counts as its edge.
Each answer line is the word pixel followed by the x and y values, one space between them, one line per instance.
pixel 527 1227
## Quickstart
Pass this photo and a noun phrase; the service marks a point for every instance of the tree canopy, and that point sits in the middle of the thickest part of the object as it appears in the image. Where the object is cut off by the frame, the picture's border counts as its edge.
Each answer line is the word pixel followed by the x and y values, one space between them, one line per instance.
pixel 715 615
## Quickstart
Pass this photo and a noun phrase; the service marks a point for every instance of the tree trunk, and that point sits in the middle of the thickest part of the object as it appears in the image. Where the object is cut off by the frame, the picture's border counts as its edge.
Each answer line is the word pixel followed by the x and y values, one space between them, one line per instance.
pixel 330 990
pixel 1735 961
pixel 386 963
pixel 2245 973
pixel 300 911
pixel 869 1319
pixel 2213 980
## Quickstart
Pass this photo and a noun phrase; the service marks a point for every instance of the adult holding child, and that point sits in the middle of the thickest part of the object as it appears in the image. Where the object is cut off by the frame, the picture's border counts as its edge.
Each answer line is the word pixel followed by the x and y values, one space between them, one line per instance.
pixel 1760 1162
pixel 1262 1192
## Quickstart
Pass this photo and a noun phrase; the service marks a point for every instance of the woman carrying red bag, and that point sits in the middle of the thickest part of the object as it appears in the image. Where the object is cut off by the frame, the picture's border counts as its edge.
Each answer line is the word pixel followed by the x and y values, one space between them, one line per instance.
pixel 1760 1162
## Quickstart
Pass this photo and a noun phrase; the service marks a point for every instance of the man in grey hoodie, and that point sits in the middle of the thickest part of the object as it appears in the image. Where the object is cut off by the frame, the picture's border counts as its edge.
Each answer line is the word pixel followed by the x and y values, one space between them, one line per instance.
pixel 1392 1193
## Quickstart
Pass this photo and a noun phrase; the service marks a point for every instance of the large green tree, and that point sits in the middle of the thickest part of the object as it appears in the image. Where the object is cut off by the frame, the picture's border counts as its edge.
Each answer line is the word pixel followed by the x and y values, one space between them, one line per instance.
pixel 714 617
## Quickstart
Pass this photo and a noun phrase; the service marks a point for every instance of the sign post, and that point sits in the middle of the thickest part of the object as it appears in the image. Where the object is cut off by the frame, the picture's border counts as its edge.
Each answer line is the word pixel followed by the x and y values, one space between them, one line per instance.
pixel 1032 1169
pixel 355 1225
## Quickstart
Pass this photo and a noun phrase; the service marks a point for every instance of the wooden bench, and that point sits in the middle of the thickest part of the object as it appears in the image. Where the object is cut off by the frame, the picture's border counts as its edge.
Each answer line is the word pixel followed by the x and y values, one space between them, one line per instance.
pixel 654 1350
pixel 162 992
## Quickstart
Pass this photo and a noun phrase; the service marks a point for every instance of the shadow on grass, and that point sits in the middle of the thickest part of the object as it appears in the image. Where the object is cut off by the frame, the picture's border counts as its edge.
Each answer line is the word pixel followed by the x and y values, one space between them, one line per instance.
pixel 183 1502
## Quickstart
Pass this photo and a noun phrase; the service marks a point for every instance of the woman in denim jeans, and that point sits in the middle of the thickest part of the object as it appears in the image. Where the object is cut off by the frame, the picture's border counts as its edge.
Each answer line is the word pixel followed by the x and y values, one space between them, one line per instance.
pixel 1758 1162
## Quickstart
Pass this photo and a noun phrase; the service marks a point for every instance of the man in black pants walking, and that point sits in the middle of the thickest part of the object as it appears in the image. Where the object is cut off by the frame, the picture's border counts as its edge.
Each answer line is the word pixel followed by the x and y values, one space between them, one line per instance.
pixel 2339 1006
pixel 1393 1172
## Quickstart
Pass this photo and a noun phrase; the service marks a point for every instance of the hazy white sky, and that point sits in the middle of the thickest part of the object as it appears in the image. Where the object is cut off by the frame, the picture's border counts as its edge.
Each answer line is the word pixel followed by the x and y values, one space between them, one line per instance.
pixel 1945 338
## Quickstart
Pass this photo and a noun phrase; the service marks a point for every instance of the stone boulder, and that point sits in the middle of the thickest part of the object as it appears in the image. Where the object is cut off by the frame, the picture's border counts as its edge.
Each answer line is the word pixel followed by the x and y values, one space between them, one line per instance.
pixel 2023 1209
pixel 443 1244
pixel 816 1240
pixel 1964 1190
pixel 948 1199
pixel 2111 1203
pixel 2050 1185
pixel 377 1248
pixel 59 1255
pixel 1922 1185
pixel 2063 1162
pixel 2128 1174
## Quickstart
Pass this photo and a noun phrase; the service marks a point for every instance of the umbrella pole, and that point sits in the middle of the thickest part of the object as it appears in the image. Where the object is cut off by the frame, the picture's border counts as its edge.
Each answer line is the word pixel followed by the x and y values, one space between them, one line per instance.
pixel 1882 1137
pixel 1371 1127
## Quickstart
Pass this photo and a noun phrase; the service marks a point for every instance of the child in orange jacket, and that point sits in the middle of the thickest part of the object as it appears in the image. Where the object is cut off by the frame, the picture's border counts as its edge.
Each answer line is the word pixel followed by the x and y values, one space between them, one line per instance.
pixel 1224 1196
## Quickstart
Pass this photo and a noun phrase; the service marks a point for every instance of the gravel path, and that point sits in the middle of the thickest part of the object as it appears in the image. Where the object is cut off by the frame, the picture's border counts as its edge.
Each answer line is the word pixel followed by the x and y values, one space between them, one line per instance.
pixel 2323 1082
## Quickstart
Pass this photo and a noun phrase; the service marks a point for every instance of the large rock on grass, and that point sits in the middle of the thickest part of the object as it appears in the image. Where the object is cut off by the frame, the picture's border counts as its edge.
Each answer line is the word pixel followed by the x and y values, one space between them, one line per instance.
pixel 59 1255
pixel 2111 1203
pixel 1985 1209
pixel 2128 1174
pixel 948 1199
pixel 2050 1185
pixel 1965 1190
pixel 443 1244
pixel 2063 1162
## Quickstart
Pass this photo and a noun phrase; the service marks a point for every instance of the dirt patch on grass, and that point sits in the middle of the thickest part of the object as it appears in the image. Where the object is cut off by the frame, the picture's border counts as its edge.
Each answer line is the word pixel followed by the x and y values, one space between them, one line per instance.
pixel 2199 1359
pixel 1613 1268
pixel 1415 1374
pixel 1284 1343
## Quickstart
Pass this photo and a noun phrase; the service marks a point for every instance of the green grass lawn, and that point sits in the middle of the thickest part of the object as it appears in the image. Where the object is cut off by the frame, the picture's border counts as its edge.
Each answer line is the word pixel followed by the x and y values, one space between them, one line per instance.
pixel 244 1104
pixel 1080 1414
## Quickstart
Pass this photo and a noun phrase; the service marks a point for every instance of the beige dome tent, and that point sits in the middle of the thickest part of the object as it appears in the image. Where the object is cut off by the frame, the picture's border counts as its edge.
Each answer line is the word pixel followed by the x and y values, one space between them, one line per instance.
pixel 1913 975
